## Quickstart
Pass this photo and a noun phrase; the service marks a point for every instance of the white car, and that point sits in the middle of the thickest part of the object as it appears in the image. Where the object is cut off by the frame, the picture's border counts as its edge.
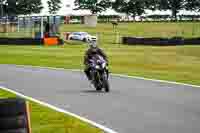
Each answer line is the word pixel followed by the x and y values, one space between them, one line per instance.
pixel 82 36
pixel 74 21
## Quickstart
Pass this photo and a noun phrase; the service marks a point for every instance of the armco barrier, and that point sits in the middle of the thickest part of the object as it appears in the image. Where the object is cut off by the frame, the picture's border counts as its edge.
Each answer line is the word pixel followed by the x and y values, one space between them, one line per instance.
pixel 160 41
pixel 193 41
pixel 24 41
pixel 20 41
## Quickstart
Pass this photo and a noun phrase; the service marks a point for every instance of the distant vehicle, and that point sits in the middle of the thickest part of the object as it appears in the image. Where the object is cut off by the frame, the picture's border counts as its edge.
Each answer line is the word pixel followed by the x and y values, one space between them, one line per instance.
pixel 82 36
pixel 74 21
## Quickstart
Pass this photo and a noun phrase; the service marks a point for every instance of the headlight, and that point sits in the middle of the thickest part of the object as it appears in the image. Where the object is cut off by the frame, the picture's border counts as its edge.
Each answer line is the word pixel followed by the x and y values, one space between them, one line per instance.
pixel 97 67
pixel 104 65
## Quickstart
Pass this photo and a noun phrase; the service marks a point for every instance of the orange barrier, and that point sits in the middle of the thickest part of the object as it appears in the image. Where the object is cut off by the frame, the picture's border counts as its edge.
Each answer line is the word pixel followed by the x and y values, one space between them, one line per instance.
pixel 51 41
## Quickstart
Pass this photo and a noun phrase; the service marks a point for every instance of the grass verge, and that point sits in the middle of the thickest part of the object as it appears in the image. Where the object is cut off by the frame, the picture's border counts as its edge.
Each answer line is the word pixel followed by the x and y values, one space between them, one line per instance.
pixel 45 120
pixel 179 63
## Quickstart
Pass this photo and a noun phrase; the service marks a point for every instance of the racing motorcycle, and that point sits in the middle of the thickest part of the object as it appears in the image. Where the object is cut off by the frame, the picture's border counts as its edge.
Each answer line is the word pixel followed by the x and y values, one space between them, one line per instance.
pixel 99 73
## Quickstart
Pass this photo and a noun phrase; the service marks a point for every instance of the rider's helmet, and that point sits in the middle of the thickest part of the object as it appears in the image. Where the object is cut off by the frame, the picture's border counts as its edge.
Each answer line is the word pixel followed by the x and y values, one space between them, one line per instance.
pixel 92 44
pixel 93 47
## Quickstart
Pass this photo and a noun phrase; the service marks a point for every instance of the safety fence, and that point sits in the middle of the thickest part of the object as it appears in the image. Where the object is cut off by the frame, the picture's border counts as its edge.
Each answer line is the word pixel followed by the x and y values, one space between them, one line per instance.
pixel 28 26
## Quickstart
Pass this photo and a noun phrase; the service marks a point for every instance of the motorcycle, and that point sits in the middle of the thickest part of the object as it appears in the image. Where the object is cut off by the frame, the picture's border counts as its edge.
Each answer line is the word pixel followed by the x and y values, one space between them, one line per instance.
pixel 99 73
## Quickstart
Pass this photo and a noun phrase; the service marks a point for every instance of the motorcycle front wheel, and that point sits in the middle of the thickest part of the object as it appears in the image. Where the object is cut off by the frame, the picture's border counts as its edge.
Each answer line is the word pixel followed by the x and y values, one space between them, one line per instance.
pixel 106 84
pixel 96 82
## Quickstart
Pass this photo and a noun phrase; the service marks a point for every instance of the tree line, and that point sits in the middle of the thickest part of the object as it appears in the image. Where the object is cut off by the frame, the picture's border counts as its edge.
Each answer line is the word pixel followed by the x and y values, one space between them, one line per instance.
pixel 26 7
pixel 138 7
pixel 132 8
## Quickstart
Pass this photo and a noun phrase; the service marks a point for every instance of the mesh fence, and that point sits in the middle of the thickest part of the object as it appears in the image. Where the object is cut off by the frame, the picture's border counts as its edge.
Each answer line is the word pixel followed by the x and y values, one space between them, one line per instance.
pixel 28 27
pixel 25 27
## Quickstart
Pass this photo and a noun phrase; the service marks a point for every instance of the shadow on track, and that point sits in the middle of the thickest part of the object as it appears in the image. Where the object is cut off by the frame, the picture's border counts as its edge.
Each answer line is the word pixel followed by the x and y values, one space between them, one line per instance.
pixel 92 91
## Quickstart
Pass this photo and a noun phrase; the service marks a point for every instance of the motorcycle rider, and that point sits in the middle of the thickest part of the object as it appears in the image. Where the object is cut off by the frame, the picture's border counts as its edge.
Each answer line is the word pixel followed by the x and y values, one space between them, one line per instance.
pixel 93 50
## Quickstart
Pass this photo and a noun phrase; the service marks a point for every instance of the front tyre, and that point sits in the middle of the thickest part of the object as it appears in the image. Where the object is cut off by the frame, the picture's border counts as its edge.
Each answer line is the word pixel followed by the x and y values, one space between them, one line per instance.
pixel 106 86
pixel 96 83
pixel 98 88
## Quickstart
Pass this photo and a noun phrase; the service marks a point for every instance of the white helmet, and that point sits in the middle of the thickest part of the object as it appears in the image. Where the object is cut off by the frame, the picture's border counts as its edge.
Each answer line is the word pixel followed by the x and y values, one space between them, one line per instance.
pixel 92 44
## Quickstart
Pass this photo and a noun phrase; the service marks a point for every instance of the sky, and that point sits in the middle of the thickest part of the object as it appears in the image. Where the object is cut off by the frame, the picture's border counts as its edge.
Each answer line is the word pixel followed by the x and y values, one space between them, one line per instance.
pixel 64 9
pixel 69 10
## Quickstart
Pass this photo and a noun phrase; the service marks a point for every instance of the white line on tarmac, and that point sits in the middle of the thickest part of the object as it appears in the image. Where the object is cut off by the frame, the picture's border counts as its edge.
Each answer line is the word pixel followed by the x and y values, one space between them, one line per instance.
pixel 105 129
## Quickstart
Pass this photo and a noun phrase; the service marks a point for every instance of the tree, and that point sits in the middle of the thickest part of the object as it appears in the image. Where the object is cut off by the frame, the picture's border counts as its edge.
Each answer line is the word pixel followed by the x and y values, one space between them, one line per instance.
pixel 54 6
pixel 3 7
pixel 174 5
pixel 95 6
pixel 192 5
pixel 28 6
pixel 131 8
pixel 20 7
pixel 151 4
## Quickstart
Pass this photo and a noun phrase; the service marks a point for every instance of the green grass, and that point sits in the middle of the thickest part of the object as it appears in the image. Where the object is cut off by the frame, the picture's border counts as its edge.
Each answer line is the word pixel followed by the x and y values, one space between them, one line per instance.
pixel 45 120
pixel 161 29
pixel 180 63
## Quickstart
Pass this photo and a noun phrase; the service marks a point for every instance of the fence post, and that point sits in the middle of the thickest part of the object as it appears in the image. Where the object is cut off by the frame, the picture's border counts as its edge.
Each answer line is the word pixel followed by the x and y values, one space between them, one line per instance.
pixel 98 38
pixel 18 24
pixel 117 41
pixel 42 27
pixel 7 26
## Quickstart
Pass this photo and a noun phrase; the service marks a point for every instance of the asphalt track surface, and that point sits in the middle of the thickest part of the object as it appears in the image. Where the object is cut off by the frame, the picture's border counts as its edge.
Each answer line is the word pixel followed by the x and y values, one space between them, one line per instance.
pixel 132 106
